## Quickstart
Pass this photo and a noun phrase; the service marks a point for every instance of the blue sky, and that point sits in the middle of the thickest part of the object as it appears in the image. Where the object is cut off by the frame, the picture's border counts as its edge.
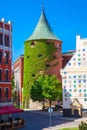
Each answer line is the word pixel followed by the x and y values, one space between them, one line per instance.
pixel 66 17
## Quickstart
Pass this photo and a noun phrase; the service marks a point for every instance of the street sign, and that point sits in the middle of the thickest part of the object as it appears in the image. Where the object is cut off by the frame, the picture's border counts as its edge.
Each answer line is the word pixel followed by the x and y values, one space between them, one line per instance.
pixel 50 109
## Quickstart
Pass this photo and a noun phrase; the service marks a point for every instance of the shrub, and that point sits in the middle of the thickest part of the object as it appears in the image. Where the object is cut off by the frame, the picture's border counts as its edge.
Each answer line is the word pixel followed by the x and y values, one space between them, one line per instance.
pixel 83 125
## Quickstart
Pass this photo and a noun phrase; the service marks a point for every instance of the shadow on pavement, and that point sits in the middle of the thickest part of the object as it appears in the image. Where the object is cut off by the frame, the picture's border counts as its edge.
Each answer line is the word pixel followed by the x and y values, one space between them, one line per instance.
pixel 38 120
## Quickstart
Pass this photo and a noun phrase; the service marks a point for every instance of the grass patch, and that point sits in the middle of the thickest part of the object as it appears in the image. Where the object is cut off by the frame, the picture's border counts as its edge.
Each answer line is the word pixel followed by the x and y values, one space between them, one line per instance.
pixel 70 129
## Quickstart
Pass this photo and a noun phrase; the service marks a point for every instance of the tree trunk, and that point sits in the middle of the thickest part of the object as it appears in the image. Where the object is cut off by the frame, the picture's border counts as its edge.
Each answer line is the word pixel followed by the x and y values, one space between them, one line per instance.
pixel 50 102
pixel 43 105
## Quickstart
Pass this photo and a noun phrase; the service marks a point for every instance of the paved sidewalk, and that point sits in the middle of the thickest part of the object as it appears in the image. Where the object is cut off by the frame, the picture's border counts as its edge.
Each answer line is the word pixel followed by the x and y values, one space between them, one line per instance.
pixel 73 122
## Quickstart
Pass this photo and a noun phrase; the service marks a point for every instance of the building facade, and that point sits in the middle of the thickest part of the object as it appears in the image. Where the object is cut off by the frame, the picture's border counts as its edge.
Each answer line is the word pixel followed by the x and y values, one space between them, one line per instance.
pixel 5 62
pixel 18 68
pixel 74 81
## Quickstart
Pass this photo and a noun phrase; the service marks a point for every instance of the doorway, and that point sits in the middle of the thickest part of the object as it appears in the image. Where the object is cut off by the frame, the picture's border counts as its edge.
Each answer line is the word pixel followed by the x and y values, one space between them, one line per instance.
pixel 76 113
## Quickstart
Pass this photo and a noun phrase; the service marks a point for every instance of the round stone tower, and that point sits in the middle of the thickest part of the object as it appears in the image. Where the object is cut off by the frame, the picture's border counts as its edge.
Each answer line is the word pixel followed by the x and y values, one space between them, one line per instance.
pixel 42 55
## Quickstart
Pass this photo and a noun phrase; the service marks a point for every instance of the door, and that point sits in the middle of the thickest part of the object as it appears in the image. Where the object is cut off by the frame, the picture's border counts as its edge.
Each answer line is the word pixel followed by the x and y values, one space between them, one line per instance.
pixel 76 113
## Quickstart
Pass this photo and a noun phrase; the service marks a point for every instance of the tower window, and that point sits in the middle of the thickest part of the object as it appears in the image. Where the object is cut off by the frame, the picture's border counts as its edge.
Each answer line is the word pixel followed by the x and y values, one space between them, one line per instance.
pixel 32 43
pixel 28 57
pixel 48 42
pixel 33 75
pixel 1 39
pixel 40 55
pixel 54 56
pixel 47 65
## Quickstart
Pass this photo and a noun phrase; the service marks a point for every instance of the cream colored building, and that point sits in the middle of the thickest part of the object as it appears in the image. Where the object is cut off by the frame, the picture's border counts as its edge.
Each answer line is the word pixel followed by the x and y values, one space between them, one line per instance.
pixel 74 81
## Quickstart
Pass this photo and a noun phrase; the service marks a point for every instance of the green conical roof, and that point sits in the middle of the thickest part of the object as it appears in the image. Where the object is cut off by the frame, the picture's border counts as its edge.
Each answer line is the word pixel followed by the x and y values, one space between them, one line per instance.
pixel 43 30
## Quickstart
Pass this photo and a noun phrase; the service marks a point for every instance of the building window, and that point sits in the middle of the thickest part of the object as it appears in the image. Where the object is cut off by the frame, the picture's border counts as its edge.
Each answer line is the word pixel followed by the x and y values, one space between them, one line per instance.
pixel 1 57
pixel 0 75
pixel 84 76
pixel 65 95
pixel 78 54
pixel 40 55
pixel 70 90
pixel 79 63
pixel 65 73
pixel 83 58
pixel 79 90
pixel 69 64
pixel 74 86
pixel 79 86
pixel 83 49
pixel 84 81
pixel 47 65
pixel 84 90
pixel 6 75
pixel 79 59
pixel 28 57
pixel 6 92
pixel 65 90
pixel 7 58
pixel 0 93
pixel 79 81
pixel 79 50
pixel 84 86
pixel 69 77
pixel 48 42
pixel 75 90
pixel 70 95
pixel 33 75
pixel 74 81
pixel 83 54
pixel 74 76
pixel 79 76
pixel 85 99
pixel 32 43
pixel 1 39
pixel 7 40
pixel 74 58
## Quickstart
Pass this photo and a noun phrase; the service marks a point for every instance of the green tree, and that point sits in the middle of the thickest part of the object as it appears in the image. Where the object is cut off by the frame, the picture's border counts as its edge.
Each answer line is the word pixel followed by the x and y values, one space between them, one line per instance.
pixel 37 91
pixel 14 92
pixel 46 87
pixel 52 88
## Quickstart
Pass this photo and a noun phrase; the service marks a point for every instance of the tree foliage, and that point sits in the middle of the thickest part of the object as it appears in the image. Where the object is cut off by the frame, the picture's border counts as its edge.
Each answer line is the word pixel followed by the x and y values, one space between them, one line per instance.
pixel 46 87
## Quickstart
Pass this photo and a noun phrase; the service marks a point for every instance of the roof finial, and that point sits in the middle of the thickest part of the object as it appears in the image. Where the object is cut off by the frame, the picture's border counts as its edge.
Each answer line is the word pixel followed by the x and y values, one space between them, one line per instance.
pixel 42 4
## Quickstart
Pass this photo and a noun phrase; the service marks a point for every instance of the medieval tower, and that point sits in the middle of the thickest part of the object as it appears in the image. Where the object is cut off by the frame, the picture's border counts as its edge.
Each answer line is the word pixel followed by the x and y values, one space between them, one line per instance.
pixel 42 55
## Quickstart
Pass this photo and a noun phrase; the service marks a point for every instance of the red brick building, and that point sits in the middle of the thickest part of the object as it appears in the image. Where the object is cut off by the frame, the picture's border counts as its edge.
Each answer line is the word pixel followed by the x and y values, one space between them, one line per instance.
pixel 18 67
pixel 5 62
